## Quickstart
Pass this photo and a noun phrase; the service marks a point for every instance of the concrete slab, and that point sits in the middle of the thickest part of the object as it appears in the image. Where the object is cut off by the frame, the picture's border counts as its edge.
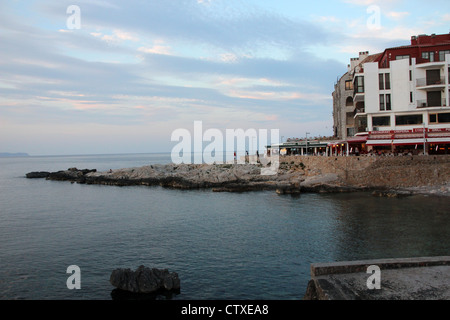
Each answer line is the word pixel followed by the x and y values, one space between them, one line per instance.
pixel 426 278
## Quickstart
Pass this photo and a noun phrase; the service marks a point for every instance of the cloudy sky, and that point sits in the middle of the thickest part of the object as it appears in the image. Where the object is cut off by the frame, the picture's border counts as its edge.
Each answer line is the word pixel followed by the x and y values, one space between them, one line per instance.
pixel 132 72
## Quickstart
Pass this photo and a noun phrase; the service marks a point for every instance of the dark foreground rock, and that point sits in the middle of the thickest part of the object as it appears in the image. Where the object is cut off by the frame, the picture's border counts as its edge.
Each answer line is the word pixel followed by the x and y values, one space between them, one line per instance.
pixel 145 280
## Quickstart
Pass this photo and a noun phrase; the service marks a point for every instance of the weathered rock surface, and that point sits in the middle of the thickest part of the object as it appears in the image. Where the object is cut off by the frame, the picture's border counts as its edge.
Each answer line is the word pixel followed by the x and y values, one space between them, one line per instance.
pixel 397 176
pixel 145 280
pixel 219 178
pixel 71 174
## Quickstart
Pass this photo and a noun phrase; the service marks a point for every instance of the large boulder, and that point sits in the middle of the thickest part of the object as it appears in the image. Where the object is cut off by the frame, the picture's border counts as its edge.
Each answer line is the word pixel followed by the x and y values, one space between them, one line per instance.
pixel 144 280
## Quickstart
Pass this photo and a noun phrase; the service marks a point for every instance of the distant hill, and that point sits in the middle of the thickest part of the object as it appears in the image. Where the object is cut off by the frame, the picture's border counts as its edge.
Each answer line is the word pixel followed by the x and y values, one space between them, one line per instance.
pixel 19 154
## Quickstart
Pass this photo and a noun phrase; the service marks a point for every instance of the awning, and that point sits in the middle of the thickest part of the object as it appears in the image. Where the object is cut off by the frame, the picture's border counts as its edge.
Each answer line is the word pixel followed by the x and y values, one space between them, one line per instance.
pixel 406 142
pixel 379 142
pixel 439 140
pixel 360 139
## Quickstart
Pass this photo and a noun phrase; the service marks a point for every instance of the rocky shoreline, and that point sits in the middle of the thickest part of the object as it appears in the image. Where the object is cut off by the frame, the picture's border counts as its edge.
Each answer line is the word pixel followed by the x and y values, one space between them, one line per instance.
pixel 291 179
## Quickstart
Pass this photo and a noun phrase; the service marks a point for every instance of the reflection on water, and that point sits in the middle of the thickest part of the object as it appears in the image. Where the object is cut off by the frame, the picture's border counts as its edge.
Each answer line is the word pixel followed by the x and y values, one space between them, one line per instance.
pixel 370 228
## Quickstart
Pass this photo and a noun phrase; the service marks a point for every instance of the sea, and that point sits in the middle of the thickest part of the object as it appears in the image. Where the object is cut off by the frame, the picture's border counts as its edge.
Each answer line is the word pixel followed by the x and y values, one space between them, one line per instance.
pixel 224 246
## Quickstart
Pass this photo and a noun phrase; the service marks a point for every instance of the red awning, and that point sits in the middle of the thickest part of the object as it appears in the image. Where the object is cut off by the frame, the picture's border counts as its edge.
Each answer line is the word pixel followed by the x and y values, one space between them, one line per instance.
pixel 358 139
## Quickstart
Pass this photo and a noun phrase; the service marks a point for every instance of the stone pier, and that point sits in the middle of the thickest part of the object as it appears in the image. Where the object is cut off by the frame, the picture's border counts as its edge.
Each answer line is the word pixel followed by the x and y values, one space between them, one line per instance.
pixel 425 278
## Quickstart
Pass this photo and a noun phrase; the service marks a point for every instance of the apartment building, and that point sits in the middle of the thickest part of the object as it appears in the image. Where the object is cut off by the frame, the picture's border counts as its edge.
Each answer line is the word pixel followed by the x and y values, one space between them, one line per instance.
pixel 400 97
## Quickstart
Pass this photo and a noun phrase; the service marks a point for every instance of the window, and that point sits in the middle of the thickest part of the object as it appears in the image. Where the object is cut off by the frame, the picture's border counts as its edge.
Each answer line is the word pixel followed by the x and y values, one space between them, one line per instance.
pixel 442 54
pixel 410 75
pixel 428 56
pixel 402 57
pixel 359 85
pixel 411 98
pixel 387 77
pixel 408 120
pixel 349 102
pixel 444 117
pixel 440 118
pixel 381 81
pixel 434 98
pixel 388 102
pixel 348 85
pixel 433 77
pixel 385 102
pixel 381 121
pixel 384 81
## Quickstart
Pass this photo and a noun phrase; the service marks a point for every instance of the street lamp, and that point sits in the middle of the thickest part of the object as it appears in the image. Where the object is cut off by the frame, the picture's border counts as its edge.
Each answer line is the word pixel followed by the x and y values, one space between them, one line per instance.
pixel 307 143
pixel 424 140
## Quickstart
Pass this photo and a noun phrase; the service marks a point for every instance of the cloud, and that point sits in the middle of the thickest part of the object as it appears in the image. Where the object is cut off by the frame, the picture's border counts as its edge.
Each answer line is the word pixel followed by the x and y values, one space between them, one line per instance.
pixel 381 3
pixel 156 49
pixel 397 15
pixel 116 36
pixel 228 66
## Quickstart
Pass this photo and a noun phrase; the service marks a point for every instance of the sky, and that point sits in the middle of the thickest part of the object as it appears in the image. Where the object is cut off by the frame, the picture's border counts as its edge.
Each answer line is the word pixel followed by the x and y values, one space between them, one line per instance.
pixel 122 76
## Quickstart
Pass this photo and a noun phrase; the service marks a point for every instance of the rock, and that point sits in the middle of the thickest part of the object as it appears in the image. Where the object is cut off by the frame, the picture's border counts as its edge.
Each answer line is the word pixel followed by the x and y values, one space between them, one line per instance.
pixel 391 193
pixel 288 190
pixel 144 280
pixel 37 175
pixel 71 174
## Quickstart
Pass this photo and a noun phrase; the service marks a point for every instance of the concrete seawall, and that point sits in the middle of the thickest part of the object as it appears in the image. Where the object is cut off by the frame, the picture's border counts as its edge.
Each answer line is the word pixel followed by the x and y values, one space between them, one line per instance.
pixel 425 278
pixel 378 172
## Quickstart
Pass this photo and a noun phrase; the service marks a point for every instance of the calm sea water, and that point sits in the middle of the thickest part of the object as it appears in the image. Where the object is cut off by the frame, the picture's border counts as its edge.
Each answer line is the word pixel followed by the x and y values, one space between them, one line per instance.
pixel 256 245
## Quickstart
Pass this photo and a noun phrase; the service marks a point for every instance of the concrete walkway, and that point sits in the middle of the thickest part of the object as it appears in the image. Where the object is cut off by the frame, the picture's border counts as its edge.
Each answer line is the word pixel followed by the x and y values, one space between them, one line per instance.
pixel 399 279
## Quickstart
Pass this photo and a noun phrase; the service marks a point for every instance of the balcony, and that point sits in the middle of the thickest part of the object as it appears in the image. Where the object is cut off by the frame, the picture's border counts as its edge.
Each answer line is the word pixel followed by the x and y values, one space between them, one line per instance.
pixel 361 129
pixel 426 82
pixel 424 104
pixel 426 63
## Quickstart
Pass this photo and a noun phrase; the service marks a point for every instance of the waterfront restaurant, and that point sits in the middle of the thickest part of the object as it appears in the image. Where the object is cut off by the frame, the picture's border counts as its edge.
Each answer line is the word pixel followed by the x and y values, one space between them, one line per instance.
pixel 351 146
pixel 434 141
pixel 299 148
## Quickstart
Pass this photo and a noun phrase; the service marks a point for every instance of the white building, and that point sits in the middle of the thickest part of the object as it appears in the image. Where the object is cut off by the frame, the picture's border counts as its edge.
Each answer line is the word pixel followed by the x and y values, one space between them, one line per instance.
pixel 401 98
